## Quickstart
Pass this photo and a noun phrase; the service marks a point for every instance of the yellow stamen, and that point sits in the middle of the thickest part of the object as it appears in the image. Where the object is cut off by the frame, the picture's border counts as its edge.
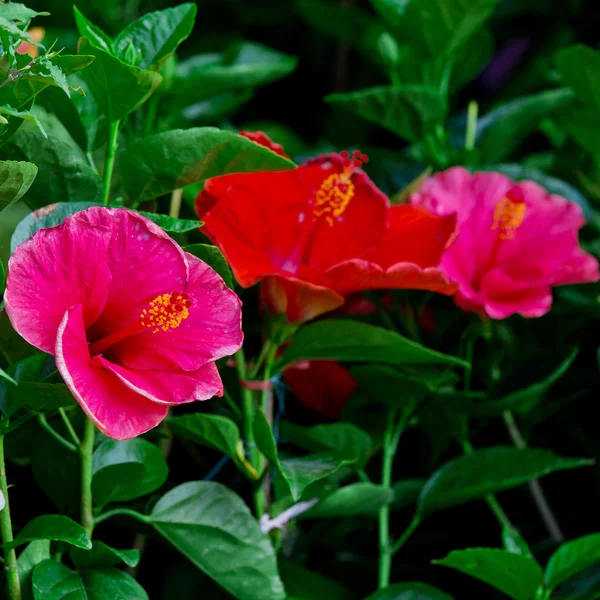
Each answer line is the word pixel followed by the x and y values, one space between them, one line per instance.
pixel 333 197
pixel 166 312
pixel 508 216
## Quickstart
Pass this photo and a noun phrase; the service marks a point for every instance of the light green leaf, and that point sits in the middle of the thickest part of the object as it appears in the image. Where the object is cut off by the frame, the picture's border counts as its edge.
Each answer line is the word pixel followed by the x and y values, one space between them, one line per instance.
pixel 488 471
pixel 156 35
pixel 207 523
pixel 214 258
pixel 15 179
pixel 25 115
pixel 409 111
pixel 410 591
pixel 172 224
pixel 347 340
pixel 15 11
pixel 571 558
pixel 361 498
pixel 35 552
pixel 175 159
pixel 52 527
pixel 517 576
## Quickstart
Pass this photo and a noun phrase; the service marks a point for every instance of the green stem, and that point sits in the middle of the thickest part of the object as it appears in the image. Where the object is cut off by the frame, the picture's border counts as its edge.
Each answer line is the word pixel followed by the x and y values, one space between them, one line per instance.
pixel 175 206
pixel 407 533
pixel 69 427
pixel 259 361
pixel 121 511
pixel 10 556
pixel 86 451
pixel 471 130
pixel 111 153
pixel 59 438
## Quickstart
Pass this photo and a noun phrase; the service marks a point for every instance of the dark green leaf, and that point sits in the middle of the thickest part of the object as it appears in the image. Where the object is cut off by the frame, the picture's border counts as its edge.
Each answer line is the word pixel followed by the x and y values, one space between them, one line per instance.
pixel 117 87
pixel 53 581
pixel 410 591
pixel 62 175
pixel 25 115
pixel 582 124
pixel 15 179
pixel 488 471
pixel 102 555
pixel 303 584
pixel 64 110
pixel 214 258
pixel 49 216
pixel 93 33
pixel 361 498
pixel 127 469
pixel 38 396
pixel 406 492
pixel 168 161
pixel 347 340
pixel 2 278
pixel 171 224
pixel 156 35
pixel 216 108
pixel 409 111
pixel 52 527
pixel 500 131
pixel 571 558
pixel 207 523
pixel 517 576
pixel 111 584
pixel 578 66
pixel 35 552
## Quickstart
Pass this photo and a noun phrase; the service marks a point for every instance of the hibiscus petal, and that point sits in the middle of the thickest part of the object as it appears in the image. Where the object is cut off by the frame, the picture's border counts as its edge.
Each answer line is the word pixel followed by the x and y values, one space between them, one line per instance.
pixel 117 411
pixel 299 300
pixel 52 271
pixel 361 275
pixel 170 388
pixel 211 331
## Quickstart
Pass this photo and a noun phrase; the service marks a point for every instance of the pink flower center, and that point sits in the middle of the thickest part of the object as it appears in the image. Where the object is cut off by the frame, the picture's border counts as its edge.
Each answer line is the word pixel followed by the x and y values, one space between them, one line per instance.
pixel 165 312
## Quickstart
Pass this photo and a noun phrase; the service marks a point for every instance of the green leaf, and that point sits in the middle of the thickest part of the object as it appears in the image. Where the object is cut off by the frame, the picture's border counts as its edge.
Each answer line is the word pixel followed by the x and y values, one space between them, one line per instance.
pixel 361 498
pixel 242 66
pixel 409 111
pixel 2 278
pixel 578 66
pixel 62 174
pixel 406 492
pixel 175 159
pixel 410 591
pixel 571 558
pixel 341 437
pixel 172 224
pixel 52 527
pixel 517 576
pixel 102 555
pixel 303 584
pixel 15 179
pixel 25 115
pixel 435 26
pixel 156 35
pixel 111 584
pixel 214 258
pixel 35 552
pixel 14 11
pixel 93 33
pixel 49 216
pixel 488 471
pixel 53 581
pixel 127 469
pixel 501 130
pixel 347 340
pixel 582 124
pixel 206 522
pixel 527 398
pixel 117 87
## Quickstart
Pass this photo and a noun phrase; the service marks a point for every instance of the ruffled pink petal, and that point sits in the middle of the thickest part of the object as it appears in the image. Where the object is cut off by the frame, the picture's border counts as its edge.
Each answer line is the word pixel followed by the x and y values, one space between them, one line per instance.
pixel 360 275
pixel 144 262
pixel 212 330
pixel 170 388
pixel 117 411
pixel 52 271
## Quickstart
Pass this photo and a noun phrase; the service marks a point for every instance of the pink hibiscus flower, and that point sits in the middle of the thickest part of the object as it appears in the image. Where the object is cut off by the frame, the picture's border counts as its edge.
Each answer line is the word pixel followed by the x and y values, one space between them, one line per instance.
pixel 515 242
pixel 135 323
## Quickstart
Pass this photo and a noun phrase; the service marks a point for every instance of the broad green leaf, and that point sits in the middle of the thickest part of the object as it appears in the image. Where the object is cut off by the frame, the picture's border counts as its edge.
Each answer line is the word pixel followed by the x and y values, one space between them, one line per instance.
pixel 175 159
pixel 578 67
pixel 524 400
pixel 118 88
pixel 111 584
pixel 571 558
pixel 409 111
pixel 172 224
pixel 501 130
pixel 25 115
pixel 93 121
pixel 48 216
pixel 52 527
pixel 341 437
pixel 361 498
pixel 216 108
pixel 410 591
pixel 53 581
pixel 517 576
pixel 242 66
pixel 406 492
pixel 15 179
pixel 156 35
pixel 214 258
pixel 62 174
pixel 38 396
pixel 102 555
pixel 214 529
pixel 303 584
pixel 582 124
pixel 488 471
pixel 93 33
pixel 65 111
pixel 127 469
pixel 348 340
pixel 15 11
pixel 35 552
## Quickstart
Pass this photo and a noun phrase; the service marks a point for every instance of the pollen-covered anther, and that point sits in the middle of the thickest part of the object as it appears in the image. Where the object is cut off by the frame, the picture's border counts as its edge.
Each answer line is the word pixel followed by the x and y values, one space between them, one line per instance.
pixel 337 190
pixel 509 215
pixel 166 312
